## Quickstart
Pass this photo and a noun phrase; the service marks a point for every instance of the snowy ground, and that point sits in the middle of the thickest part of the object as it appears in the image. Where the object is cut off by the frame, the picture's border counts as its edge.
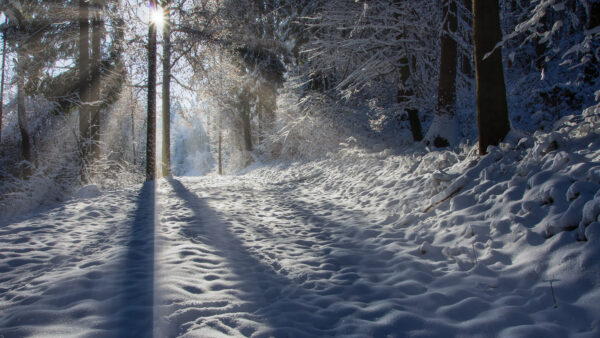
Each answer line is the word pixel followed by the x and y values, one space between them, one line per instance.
pixel 362 244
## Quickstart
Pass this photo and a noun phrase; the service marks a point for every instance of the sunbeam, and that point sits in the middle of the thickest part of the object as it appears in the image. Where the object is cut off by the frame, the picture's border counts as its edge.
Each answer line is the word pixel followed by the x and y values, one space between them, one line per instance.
pixel 157 17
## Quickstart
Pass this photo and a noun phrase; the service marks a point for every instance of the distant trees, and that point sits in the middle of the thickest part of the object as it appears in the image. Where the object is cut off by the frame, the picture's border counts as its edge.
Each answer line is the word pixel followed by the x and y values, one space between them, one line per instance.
pixel 362 46
pixel 268 71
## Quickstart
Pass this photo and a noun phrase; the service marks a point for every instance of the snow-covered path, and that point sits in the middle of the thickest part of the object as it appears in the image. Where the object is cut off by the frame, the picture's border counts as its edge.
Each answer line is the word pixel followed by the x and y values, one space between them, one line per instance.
pixel 283 261
pixel 209 257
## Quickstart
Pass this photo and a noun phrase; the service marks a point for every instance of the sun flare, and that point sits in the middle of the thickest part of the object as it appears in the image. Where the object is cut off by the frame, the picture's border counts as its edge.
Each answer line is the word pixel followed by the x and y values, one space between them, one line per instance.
pixel 157 17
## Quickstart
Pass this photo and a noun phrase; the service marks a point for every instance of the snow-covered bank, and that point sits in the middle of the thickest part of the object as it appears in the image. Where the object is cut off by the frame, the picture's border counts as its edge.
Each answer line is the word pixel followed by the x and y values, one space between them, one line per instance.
pixel 362 244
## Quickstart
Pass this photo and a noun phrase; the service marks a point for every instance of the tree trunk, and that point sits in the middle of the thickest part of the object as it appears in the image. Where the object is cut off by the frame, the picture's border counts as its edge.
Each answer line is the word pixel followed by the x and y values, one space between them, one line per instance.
pixel 447 85
pixel 84 85
pixel 404 95
pixel 415 124
pixel 446 104
pixel 151 119
pixel 133 136
pixel 2 82
pixel 266 107
pixel 98 28
pixel 492 111
pixel 466 66
pixel 220 156
pixel 22 113
pixel 245 115
pixel 166 95
pixel 406 89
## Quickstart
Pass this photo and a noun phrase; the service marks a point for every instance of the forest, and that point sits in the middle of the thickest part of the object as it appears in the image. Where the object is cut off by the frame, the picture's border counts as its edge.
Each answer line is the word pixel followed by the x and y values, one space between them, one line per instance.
pixel 300 168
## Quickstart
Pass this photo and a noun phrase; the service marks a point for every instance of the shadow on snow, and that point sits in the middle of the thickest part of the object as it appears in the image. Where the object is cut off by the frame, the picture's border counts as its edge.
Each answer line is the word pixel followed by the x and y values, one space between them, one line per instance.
pixel 133 311
pixel 266 293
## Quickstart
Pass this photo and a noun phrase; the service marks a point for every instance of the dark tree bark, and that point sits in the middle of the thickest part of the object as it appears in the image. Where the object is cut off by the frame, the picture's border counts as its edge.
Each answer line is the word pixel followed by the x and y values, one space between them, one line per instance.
pixel 406 92
pixel 84 75
pixel 166 94
pixel 95 85
pixel 466 65
pixel 492 111
pixel 2 82
pixel 220 156
pixel 22 113
pixel 151 119
pixel 446 104
pixel 133 136
pixel 447 85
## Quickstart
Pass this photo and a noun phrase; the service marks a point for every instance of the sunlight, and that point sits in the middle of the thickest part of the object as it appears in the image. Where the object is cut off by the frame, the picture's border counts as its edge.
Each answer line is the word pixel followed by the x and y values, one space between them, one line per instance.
pixel 157 17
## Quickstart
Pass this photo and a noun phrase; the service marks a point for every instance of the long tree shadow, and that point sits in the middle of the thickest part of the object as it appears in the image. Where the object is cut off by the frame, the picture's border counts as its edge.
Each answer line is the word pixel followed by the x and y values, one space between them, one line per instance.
pixel 277 300
pixel 133 311
pixel 351 245
pixel 355 268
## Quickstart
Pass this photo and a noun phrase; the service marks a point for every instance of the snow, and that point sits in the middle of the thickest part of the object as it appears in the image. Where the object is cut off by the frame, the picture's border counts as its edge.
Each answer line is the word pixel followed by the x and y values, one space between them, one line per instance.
pixel 362 244
pixel 88 191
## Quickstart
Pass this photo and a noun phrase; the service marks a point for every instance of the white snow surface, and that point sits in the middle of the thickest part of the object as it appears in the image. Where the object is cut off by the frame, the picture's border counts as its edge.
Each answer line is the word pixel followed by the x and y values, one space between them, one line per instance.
pixel 434 244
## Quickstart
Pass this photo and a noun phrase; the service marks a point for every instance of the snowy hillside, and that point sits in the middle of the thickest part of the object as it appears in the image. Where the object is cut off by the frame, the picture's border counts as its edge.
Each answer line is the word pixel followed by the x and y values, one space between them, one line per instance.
pixel 418 244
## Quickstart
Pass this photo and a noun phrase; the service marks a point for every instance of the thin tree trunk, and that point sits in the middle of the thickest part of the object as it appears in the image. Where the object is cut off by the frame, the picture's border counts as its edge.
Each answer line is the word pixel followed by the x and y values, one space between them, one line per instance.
pixel 2 82
pixel 466 66
pixel 259 118
pixel 84 85
pixel 404 95
pixel 492 111
pixel 245 115
pixel 220 156
pixel 133 135
pixel 166 94
pixel 406 89
pixel 266 107
pixel 151 119
pixel 22 114
pixel 98 28
pixel 415 124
